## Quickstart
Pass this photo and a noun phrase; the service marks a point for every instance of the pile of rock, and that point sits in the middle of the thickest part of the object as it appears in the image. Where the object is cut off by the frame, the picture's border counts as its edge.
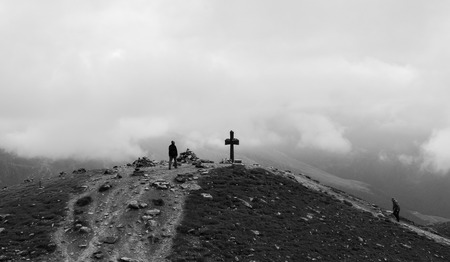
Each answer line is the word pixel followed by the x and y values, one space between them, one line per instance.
pixel 144 162
pixel 187 157
pixel 191 157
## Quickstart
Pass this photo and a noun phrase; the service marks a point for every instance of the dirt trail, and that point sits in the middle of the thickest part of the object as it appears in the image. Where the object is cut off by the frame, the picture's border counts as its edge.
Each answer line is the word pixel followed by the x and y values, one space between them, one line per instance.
pixel 117 231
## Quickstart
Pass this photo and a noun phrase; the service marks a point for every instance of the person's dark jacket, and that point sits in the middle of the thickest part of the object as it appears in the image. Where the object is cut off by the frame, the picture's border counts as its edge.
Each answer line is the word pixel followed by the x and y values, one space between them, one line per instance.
pixel 173 151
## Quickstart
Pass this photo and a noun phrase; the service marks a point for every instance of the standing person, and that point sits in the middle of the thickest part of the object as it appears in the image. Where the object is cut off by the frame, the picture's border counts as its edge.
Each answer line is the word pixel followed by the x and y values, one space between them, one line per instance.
pixel 396 209
pixel 173 154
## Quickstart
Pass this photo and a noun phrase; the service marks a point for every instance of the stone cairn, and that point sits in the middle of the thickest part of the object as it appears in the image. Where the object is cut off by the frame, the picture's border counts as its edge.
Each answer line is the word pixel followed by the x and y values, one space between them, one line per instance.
pixel 190 157
pixel 144 162
pixel 187 157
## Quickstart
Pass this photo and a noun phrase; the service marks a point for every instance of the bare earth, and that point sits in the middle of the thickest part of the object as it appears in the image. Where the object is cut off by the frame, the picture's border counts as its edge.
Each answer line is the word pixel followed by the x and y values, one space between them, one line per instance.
pixel 119 232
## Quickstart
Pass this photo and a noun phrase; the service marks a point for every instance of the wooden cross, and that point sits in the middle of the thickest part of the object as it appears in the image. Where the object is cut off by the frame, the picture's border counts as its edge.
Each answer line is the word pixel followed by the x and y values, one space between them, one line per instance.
pixel 232 141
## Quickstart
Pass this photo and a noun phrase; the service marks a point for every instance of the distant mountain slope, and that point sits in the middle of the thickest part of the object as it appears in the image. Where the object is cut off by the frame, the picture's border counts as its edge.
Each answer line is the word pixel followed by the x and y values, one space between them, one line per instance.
pixel 360 189
pixel 281 160
pixel 15 169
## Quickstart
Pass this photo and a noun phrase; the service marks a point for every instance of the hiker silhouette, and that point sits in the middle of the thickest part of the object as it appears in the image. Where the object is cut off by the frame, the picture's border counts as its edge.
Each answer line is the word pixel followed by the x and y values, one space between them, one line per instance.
pixel 173 154
pixel 396 209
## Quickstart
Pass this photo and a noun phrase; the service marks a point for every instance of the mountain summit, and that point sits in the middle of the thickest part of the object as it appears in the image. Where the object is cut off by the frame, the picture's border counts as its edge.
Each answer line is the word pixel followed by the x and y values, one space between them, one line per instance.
pixel 201 212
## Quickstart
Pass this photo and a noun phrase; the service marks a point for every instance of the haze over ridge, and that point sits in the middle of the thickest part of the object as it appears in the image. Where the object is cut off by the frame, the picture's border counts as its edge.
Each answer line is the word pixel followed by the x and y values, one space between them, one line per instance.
pixel 102 80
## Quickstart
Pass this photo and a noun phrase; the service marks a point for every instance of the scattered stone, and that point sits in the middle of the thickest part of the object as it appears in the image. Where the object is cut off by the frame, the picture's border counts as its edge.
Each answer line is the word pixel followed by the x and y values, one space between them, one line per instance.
pixel 143 205
pixel 291 176
pixel 225 161
pixel 153 212
pixel 199 165
pixel 379 245
pixel 98 255
pixel 194 187
pixel 117 176
pixel 163 185
pixel 256 232
pixel 133 204
pixel 85 230
pixel 4 216
pixel 244 202
pixel 82 246
pixel 203 171
pixel 348 203
pixel 106 186
pixel 110 239
pixel 181 178
pixel 108 172
pixel 206 195
pixel 406 246
pixel 125 259
pixel 79 171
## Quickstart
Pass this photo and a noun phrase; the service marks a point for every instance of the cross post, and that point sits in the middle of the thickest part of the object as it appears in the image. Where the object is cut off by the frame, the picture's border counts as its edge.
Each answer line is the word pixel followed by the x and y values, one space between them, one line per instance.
pixel 232 141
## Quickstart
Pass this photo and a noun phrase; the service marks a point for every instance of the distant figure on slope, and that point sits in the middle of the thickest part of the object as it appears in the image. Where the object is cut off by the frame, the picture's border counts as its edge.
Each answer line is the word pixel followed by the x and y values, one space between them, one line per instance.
pixel 173 154
pixel 396 209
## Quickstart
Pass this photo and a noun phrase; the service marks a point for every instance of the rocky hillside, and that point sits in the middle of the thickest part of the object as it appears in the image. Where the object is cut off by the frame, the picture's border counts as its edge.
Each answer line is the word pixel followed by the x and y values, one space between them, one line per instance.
pixel 203 212
pixel 15 169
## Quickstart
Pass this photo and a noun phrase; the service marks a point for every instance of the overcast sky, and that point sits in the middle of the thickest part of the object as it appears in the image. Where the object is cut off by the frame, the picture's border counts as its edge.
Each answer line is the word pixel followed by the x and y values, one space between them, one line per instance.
pixel 94 78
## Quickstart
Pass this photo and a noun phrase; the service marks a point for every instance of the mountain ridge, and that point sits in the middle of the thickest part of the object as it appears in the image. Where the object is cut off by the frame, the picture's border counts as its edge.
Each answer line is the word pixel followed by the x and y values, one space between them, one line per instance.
pixel 136 214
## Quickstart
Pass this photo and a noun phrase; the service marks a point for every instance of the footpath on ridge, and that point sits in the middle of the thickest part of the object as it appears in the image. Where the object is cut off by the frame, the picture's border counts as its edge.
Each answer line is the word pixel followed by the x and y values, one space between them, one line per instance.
pixel 125 215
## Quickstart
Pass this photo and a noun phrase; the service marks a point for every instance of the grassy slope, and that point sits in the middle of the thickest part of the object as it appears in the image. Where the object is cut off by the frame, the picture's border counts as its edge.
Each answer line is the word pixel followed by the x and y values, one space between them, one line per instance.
pixel 35 214
pixel 287 222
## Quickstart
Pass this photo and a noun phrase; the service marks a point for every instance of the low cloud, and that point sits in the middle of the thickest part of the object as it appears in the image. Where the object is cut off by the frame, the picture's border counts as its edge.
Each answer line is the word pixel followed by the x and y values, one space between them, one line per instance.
pixel 319 132
pixel 83 139
pixel 100 80
pixel 437 151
